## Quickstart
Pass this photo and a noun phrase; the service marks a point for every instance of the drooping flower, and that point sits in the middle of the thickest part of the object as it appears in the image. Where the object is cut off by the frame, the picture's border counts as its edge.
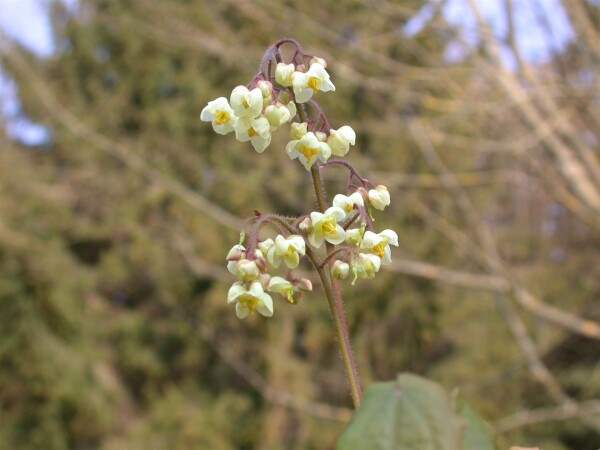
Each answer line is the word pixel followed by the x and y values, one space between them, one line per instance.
pixel 220 114
pixel 308 149
pixel 283 74
pixel 347 202
pixel 354 235
pixel 265 245
pixel 246 103
pixel 379 244
pixel 249 300
pixel 310 82
pixel 287 250
pixel 297 130
pixel 257 131
pixel 283 287
pixel 379 197
pixel 341 139
pixel 365 266
pixel 325 227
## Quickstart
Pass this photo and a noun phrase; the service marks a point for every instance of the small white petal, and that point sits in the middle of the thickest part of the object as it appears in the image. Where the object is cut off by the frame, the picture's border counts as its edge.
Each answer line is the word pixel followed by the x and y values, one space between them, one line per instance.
pixel 241 311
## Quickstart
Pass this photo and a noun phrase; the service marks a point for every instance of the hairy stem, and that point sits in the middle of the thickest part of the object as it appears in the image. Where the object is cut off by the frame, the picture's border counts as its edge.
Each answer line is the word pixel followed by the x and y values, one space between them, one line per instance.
pixel 336 304
pixel 333 291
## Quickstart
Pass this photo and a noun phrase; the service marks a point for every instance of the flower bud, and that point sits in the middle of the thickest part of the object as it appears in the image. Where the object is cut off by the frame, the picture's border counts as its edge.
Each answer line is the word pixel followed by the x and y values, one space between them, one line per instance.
pixel 265 87
pixel 340 270
pixel 363 192
pixel 284 97
pixel 322 137
pixel 283 74
pixel 261 261
pixel 297 130
pixel 304 284
pixel 318 60
pixel 264 279
pixel 236 253
pixel 379 197
pixel 306 225
pixel 277 115
pixel 247 270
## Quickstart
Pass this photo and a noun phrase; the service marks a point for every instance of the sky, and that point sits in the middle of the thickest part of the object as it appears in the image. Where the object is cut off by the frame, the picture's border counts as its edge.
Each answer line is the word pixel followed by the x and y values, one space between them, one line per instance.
pixel 27 22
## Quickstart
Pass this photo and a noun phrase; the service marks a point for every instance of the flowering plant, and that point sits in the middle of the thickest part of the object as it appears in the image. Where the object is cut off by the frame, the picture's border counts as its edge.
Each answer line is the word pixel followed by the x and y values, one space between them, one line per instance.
pixel 284 91
pixel 280 93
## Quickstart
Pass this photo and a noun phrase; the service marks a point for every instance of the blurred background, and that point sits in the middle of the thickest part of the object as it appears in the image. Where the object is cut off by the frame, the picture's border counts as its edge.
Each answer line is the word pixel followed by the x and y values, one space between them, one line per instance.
pixel 118 206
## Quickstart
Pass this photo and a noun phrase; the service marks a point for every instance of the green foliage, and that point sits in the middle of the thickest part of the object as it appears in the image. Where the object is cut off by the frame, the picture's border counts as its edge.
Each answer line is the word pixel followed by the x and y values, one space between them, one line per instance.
pixel 413 413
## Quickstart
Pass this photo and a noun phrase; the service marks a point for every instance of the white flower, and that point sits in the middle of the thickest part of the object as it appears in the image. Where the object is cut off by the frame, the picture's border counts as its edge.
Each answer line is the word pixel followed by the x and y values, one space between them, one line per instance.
pixel 379 197
pixel 289 250
pixel 308 149
pixel 249 300
pixel 265 245
pixel 283 287
pixel 246 103
pixel 257 131
pixel 347 202
pixel 341 139
pixel 325 227
pixel 308 83
pixel 379 244
pixel 283 74
pixel 365 266
pixel 220 114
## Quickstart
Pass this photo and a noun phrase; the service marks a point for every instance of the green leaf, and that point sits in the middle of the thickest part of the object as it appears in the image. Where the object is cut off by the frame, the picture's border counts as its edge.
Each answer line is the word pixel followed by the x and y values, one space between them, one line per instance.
pixel 478 435
pixel 411 413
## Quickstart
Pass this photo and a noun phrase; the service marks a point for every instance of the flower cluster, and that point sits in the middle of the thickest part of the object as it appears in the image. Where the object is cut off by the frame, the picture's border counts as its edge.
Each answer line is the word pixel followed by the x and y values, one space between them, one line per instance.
pixel 251 114
pixel 366 250
pixel 280 93
pixel 250 293
pixel 255 111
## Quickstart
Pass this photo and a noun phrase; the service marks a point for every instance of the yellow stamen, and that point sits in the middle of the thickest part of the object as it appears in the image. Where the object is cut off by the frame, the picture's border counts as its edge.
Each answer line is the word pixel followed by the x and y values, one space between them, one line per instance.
pixel 249 302
pixel 308 152
pixel 313 83
pixel 221 118
pixel 329 227
pixel 289 297
pixel 251 132
pixel 379 249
